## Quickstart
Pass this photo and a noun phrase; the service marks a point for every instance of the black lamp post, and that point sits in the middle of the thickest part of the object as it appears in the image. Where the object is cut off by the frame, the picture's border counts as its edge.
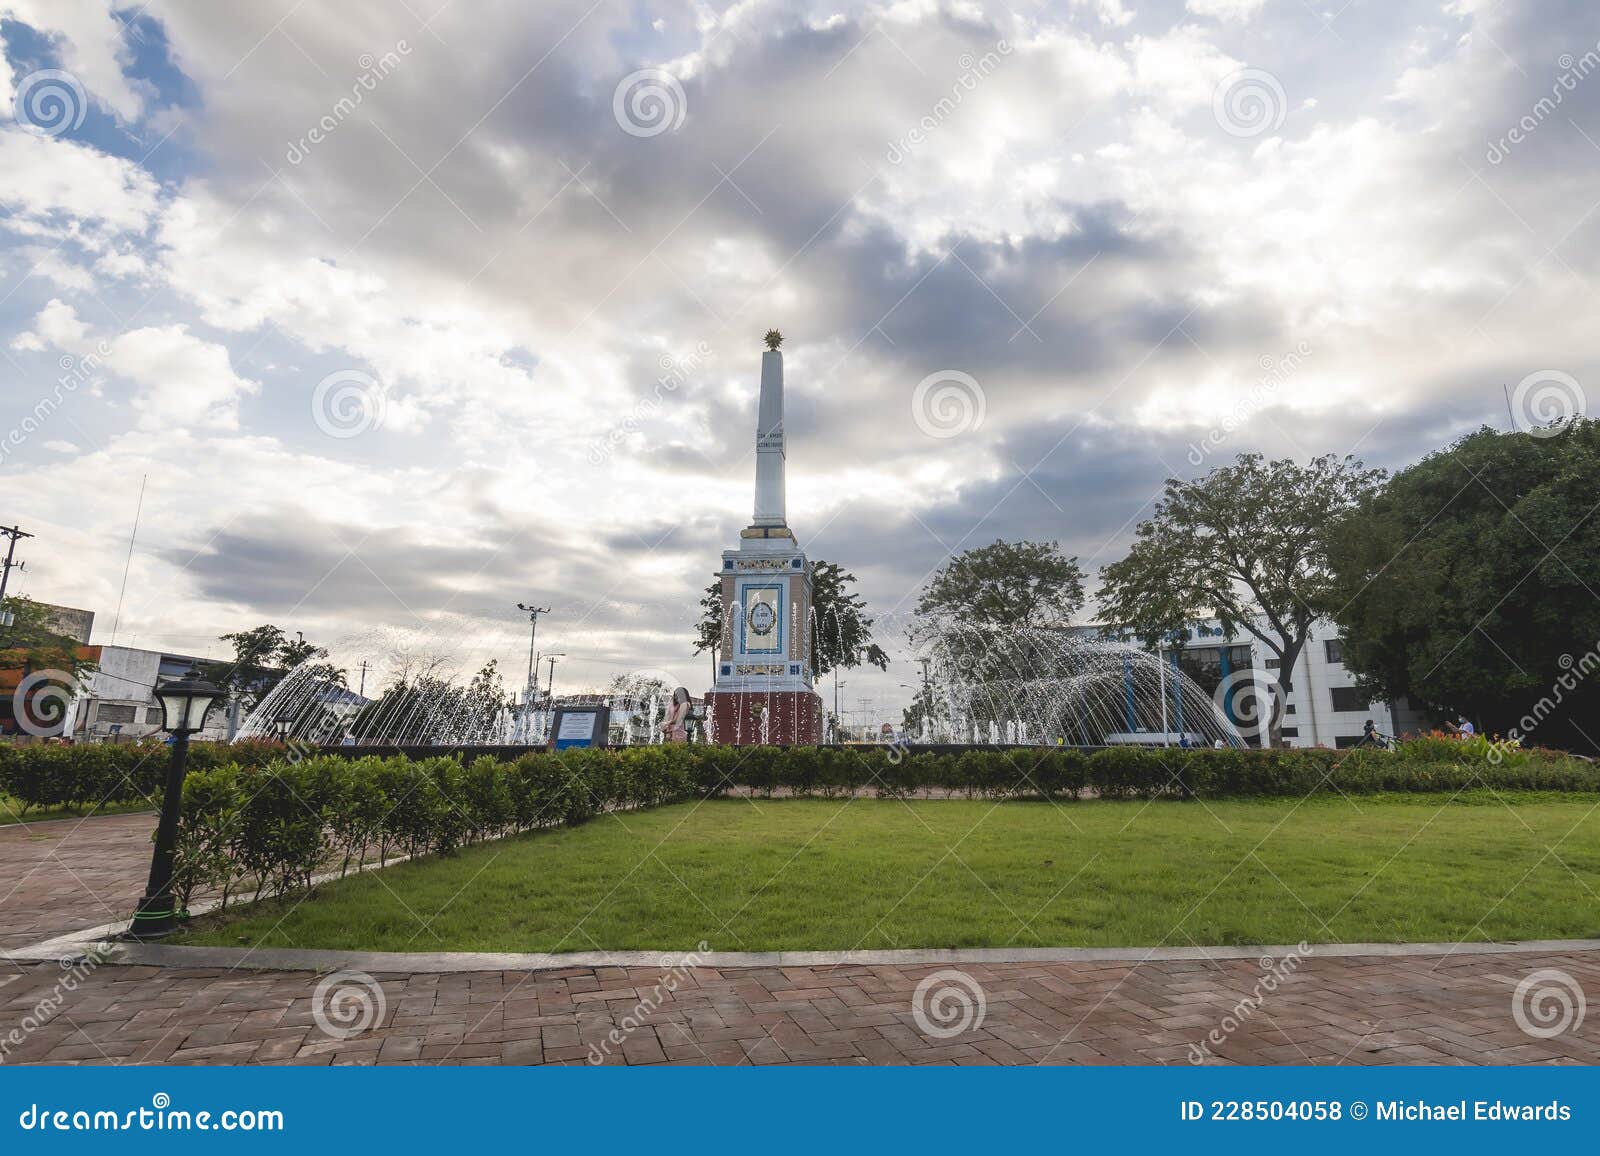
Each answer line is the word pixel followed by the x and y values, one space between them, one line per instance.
pixel 184 704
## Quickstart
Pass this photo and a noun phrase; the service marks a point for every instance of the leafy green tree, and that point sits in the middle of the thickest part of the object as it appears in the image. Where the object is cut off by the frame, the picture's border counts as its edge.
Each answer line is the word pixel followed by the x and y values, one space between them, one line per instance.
pixel 31 643
pixel 929 705
pixel 257 647
pixel 843 634
pixel 1030 584
pixel 1248 543
pixel 262 656
pixel 485 699
pixel 1469 583
pixel 643 697
pixel 708 633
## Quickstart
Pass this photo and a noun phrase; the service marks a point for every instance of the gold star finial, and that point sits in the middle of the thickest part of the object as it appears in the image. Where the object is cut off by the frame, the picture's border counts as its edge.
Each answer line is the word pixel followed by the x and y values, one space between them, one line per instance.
pixel 774 339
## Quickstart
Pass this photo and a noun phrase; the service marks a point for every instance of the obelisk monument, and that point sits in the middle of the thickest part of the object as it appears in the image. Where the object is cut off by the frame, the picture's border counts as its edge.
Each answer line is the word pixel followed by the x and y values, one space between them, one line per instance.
pixel 771 457
pixel 763 691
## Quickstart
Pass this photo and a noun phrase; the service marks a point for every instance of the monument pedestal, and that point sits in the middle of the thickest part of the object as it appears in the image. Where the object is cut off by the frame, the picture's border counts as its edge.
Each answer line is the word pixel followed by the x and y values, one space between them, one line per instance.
pixel 786 717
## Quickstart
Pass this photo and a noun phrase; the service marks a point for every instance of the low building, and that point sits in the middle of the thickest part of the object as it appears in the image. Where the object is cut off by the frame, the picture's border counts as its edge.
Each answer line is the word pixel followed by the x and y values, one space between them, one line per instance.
pixel 69 621
pixel 1322 707
pixel 117 701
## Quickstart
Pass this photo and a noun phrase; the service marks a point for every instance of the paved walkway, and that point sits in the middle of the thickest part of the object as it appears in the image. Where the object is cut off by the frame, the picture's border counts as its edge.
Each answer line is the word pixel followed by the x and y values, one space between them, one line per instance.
pixel 69 874
pixel 1360 1010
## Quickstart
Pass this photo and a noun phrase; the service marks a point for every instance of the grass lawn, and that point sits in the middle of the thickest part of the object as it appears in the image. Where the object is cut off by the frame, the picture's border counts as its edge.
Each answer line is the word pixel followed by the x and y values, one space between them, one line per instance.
pixel 799 874
pixel 11 811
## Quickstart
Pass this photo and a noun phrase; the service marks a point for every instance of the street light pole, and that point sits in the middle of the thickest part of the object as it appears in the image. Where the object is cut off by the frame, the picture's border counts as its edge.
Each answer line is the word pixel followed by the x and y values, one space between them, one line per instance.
pixel 184 704
pixel 533 634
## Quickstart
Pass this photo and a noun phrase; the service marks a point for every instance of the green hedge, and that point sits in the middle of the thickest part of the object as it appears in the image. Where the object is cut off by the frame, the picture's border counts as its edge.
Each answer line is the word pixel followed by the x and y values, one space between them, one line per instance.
pixel 83 776
pixel 268 829
pixel 257 822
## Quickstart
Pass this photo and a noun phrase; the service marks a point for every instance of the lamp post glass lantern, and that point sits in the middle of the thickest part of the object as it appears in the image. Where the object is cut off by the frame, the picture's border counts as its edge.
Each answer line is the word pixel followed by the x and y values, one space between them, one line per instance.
pixel 185 702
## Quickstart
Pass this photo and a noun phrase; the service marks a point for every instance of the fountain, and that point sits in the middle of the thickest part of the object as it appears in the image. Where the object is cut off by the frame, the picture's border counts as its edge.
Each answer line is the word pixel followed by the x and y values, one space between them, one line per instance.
pixel 1059 686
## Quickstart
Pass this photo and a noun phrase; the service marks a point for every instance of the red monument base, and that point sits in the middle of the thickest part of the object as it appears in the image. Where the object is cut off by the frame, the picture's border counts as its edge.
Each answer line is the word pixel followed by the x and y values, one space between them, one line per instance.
pixel 750 718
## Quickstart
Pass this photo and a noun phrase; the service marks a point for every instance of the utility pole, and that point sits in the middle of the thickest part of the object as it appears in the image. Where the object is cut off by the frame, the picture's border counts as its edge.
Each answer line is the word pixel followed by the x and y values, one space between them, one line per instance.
pixel 13 533
pixel 550 688
pixel 533 634
pixel 364 667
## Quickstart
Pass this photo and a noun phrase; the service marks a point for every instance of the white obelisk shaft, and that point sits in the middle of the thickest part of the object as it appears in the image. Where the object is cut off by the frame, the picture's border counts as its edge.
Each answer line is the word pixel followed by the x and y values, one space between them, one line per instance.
pixel 769 443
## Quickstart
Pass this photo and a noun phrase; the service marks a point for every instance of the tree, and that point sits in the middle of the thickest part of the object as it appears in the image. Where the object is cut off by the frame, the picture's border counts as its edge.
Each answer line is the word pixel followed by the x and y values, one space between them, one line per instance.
pixel 262 656
pixel 486 699
pixel 1469 584
pixel 644 698
pixel 1248 543
pixel 1029 584
pixel 708 633
pixel 842 636
pixel 928 705
pixel 31 643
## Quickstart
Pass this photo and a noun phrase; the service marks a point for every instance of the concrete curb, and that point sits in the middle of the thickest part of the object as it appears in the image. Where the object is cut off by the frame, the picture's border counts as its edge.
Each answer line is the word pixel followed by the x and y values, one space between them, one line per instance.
pixel 75 945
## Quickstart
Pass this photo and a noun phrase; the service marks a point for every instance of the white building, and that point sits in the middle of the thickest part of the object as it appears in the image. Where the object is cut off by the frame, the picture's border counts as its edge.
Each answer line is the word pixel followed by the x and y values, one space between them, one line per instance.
pixel 118 702
pixel 1323 707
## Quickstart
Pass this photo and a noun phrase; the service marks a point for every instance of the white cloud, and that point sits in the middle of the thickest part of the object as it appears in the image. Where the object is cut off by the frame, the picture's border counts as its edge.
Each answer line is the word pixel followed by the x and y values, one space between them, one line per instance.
pixel 184 381
pixel 517 308
pixel 50 178
pixel 57 326
pixel 1237 11
pixel 91 44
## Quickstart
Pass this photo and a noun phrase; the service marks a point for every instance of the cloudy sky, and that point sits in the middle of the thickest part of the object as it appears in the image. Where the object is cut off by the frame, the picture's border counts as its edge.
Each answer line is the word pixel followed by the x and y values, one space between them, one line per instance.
pixel 403 312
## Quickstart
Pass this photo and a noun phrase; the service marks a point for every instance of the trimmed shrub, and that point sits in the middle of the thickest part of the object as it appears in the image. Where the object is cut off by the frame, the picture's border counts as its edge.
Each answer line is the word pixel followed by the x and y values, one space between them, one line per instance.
pixel 259 820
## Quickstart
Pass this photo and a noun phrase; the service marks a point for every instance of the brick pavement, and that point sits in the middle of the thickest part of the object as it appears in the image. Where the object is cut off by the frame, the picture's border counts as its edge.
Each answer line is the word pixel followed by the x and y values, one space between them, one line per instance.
pixel 1352 1010
pixel 69 874
pixel 63 876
